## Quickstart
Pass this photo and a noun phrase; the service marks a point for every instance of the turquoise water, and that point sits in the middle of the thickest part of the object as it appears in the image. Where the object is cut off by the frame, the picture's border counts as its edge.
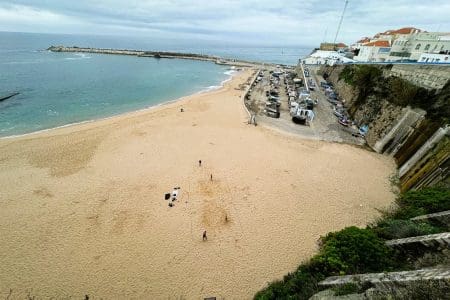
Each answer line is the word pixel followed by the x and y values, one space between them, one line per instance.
pixel 63 88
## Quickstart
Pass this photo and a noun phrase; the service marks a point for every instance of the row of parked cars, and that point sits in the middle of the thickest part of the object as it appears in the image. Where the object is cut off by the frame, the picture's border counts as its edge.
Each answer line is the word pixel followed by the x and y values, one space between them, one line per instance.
pixel 302 105
pixel 273 103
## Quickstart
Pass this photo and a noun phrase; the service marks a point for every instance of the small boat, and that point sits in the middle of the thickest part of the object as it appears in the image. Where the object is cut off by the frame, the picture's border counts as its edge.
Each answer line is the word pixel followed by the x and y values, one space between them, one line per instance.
pixel 2 98
pixel 338 113
pixel 344 122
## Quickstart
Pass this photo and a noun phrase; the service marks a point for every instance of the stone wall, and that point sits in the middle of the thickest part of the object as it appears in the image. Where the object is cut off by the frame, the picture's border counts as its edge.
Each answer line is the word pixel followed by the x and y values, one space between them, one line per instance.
pixel 442 217
pixel 426 76
pixel 381 117
pixel 390 278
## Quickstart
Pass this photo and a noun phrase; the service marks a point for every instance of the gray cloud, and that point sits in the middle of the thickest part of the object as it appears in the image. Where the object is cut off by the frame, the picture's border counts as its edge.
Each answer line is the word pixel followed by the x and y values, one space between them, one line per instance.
pixel 272 22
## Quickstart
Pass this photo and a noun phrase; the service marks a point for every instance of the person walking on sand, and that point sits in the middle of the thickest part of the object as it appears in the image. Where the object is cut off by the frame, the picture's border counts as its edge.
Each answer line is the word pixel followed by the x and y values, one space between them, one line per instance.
pixel 211 177
pixel 205 238
pixel 200 163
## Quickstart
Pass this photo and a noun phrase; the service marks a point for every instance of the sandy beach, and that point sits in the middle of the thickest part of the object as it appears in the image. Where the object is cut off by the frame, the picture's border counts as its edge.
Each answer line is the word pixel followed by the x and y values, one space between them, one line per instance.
pixel 83 209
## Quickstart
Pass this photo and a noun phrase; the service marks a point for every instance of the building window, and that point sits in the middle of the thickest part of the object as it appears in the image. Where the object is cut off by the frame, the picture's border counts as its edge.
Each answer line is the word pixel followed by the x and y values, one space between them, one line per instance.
pixel 427 47
pixel 418 46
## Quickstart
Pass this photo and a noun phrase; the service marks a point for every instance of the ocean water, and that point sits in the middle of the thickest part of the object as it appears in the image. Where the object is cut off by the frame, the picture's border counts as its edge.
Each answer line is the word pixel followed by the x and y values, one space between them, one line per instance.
pixel 64 88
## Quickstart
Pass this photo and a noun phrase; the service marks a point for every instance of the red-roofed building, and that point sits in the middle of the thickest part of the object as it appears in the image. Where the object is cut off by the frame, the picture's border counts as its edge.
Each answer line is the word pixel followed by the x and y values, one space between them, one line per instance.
pixel 405 30
pixel 359 43
pixel 374 51
pixel 404 44
pixel 363 40
pixel 378 44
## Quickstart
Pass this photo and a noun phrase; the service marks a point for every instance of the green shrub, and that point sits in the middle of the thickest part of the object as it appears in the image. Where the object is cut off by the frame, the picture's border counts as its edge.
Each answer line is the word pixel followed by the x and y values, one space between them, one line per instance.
pixel 346 289
pixel 354 250
pixel 422 202
pixel 351 250
pixel 301 284
pixel 396 229
pixel 432 200
pixel 366 78
pixel 347 74
pixel 401 91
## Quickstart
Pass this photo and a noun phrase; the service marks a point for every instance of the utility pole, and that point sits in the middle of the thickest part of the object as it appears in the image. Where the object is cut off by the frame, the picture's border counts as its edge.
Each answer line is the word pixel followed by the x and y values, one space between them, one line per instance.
pixel 325 35
pixel 340 23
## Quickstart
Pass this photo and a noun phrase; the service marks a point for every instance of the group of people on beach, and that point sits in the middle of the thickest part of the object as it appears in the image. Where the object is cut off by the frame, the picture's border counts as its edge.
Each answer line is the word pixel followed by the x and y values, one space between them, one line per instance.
pixel 174 196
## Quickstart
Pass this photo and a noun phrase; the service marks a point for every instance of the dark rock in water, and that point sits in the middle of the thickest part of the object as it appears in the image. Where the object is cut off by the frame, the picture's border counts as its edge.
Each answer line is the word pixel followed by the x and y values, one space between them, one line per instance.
pixel 2 98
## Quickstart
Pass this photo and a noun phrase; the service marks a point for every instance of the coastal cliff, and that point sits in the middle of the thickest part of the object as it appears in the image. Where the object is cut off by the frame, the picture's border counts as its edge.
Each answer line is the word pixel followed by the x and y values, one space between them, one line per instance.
pixel 407 110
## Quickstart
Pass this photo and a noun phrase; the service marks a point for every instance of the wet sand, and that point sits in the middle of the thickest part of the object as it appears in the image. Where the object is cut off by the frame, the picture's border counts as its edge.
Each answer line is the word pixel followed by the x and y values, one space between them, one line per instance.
pixel 83 209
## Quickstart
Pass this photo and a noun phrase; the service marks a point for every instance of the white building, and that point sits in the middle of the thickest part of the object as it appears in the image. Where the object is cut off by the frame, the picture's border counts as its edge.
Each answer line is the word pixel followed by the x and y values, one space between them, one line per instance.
pixel 376 51
pixel 378 48
pixel 405 44
pixel 434 58
pixel 321 57
pixel 412 46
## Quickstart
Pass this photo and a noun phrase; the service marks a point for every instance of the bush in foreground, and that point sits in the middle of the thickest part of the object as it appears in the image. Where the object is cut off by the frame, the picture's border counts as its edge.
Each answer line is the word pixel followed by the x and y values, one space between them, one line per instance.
pixel 390 229
pixel 420 202
pixel 351 250
pixel 354 250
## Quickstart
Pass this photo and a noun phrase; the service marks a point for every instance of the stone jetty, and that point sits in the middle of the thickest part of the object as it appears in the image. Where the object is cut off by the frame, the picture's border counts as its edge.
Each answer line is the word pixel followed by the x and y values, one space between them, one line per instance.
pixel 158 55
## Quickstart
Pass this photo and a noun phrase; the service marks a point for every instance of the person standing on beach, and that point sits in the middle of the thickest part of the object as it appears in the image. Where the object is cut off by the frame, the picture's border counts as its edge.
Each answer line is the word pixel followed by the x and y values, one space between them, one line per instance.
pixel 205 238
pixel 211 177
pixel 200 163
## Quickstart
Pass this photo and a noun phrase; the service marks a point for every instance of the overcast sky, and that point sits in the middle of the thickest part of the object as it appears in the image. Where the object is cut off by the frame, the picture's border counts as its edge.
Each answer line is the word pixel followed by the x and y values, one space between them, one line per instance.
pixel 259 22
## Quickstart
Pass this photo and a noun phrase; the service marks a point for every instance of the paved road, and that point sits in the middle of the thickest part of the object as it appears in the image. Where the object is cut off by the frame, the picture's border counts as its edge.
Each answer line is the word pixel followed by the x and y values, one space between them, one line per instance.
pixel 324 126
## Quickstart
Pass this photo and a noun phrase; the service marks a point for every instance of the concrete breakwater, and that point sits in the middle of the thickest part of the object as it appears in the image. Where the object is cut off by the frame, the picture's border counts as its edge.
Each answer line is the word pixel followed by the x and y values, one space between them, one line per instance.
pixel 157 54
